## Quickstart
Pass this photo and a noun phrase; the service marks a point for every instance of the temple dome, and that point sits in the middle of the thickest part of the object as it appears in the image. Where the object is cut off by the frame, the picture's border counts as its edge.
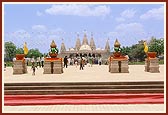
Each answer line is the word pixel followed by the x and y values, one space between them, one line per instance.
pixel 85 47
pixel 71 49
pixel 98 49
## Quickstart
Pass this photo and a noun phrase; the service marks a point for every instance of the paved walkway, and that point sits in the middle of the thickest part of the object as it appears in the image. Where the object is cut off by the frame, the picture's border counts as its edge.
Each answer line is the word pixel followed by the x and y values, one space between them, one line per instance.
pixel 112 108
pixel 89 74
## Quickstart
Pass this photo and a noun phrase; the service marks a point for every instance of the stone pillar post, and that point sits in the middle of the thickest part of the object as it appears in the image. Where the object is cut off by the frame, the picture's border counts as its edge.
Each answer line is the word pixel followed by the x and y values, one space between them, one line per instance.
pixel 47 67
pixel 154 65
pixel 146 65
pixel 58 67
pixel 24 67
pixel 124 66
pixel 53 66
pixel 114 68
pixel 19 67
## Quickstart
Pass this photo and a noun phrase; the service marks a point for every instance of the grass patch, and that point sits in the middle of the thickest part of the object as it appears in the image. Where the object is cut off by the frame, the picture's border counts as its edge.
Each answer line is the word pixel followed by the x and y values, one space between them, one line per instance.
pixel 143 63
pixel 9 64
pixel 136 63
pixel 161 61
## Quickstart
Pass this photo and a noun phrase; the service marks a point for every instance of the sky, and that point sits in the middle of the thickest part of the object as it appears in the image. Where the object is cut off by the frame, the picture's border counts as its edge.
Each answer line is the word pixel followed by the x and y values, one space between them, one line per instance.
pixel 39 24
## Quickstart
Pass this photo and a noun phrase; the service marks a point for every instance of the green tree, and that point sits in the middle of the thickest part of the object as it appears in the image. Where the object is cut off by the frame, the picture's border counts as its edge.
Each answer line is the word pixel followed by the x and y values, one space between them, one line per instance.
pixel 34 52
pixel 137 52
pixel 10 51
pixel 156 45
pixel 19 51
pixel 126 50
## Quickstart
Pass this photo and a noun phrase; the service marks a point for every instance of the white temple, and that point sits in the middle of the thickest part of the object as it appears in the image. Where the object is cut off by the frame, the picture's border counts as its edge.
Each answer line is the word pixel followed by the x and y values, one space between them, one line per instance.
pixel 85 48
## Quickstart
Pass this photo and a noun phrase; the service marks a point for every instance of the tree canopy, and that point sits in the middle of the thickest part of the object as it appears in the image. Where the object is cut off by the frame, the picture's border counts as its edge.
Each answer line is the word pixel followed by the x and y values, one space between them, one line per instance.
pixel 136 51
pixel 10 51
pixel 156 45
pixel 34 52
pixel 19 51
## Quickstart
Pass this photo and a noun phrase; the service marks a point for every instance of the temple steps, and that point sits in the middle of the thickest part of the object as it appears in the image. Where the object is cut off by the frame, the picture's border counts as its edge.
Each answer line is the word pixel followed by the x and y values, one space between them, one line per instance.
pixel 59 88
pixel 85 83
pixel 83 87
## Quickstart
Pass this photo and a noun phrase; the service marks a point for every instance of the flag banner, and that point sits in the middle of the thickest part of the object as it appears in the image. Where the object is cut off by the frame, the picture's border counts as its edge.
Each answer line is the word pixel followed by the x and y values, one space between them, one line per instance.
pixel 145 47
pixel 25 49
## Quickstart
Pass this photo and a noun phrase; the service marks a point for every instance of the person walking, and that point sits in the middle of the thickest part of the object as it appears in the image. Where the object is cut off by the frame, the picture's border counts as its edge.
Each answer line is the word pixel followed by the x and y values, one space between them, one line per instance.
pixel 81 63
pixel 5 66
pixel 90 61
pixel 34 68
pixel 14 59
pixel 76 63
pixel 38 61
pixel 100 61
pixel 32 60
pixel 65 61
pixel 42 61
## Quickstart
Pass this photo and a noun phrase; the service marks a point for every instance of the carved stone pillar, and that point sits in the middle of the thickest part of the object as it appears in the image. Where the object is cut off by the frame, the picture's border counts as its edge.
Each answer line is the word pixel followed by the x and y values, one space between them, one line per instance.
pixel 124 66
pixel 118 66
pixel 154 65
pixel 53 66
pixel 19 67
pixel 57 67
pixel 47 67
pixel 114 68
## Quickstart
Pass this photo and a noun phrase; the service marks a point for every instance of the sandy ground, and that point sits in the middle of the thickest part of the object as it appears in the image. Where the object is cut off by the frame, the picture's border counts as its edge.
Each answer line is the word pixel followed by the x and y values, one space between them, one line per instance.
pixel 89 74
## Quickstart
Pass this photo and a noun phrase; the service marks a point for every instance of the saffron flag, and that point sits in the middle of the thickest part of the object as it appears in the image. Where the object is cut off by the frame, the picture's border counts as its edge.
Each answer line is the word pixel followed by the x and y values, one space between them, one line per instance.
pixel 25 49
pixel 145 47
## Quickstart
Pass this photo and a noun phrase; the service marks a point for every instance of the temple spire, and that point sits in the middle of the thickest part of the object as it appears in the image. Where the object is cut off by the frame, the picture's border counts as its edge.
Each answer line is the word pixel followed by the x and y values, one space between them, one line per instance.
pixel 63 49
pixel 85 40
pixel 92 43
pixel 107 47
pixel 78 43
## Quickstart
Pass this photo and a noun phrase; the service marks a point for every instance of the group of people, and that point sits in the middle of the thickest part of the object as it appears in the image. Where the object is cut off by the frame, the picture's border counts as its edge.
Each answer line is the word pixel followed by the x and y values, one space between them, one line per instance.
pixel 77 62
pixel 39 61
pixel 81 61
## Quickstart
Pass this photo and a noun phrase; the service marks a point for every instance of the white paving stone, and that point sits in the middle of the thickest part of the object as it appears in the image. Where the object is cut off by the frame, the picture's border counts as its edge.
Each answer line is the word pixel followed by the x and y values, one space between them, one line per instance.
pixel 126 108
pixel 89 74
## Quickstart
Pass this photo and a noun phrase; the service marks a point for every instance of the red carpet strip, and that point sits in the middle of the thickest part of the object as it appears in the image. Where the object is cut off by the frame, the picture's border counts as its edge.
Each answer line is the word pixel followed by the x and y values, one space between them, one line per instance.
pixel 151 98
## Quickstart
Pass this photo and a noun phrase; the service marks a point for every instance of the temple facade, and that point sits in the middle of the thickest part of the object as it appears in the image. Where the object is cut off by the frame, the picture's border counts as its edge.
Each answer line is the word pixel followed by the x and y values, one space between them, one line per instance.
pixel 85 49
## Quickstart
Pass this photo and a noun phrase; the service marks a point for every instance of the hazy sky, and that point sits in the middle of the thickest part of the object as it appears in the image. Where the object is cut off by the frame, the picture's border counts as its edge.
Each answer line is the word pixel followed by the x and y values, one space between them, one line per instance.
pixel 39 24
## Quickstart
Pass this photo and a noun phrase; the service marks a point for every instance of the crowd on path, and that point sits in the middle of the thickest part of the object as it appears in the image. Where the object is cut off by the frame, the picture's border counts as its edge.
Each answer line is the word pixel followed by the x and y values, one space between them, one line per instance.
pixel 81 61
pixel 39 61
